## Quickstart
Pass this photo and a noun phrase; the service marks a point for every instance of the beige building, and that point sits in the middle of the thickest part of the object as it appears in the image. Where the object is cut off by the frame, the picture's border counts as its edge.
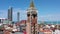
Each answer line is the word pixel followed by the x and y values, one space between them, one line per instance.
pixel 32 26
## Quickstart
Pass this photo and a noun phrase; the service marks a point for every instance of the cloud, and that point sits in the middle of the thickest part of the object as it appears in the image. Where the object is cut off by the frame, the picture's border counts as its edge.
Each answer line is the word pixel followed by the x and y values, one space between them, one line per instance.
pixel 49 17
pixel 23 16
pixel 3 13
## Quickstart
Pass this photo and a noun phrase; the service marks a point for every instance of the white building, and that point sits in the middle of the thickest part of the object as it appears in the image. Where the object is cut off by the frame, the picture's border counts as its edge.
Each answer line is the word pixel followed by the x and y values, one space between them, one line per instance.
pixel 56 32
pixel 2 19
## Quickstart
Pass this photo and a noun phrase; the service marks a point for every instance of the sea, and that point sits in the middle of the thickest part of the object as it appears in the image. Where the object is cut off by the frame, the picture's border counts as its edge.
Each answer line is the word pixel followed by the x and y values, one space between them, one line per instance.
pixel 49 22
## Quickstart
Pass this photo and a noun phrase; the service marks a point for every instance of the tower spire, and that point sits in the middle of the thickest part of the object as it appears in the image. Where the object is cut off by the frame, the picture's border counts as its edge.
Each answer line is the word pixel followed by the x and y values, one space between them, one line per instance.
pixel 32 3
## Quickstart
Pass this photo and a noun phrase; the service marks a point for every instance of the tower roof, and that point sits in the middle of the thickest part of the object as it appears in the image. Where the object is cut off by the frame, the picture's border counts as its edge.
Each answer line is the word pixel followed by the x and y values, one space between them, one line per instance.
pixel 32 4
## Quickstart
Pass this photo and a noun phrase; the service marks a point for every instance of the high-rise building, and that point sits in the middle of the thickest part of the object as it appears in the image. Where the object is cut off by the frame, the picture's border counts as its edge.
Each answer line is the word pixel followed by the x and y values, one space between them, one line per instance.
pixel 10 14
pixel 32 27
pixel 18 17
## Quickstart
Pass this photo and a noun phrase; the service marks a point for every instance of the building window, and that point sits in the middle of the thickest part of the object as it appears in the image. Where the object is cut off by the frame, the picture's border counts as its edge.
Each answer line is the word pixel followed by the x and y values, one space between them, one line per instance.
pixel 0 20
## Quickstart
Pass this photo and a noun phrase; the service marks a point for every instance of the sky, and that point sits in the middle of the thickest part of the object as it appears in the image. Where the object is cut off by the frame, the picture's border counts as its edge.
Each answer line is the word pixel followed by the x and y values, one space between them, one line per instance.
pixel 48 10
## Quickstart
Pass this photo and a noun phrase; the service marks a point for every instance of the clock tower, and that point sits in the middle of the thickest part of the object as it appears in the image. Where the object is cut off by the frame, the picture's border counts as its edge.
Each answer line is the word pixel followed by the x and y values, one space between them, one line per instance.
pixel 31 19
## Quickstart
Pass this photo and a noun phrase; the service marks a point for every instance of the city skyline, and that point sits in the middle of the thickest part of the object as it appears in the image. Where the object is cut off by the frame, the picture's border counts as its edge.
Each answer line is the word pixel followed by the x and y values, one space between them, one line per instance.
pixel 48 10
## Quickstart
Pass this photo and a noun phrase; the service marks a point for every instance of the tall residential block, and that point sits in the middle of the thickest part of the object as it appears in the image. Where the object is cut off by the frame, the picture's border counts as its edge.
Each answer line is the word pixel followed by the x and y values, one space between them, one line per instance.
pixel 10 10
pixel 18 16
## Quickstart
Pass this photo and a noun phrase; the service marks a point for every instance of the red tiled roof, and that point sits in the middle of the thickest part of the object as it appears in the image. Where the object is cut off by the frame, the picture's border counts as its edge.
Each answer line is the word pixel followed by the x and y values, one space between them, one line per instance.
pixel 21 22
pixel 47 31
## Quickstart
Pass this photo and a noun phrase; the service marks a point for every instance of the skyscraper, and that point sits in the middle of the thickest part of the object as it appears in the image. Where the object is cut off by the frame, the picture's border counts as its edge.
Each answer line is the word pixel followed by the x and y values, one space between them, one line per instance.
pixel 10 14
pixel 18 16
pixel 32 19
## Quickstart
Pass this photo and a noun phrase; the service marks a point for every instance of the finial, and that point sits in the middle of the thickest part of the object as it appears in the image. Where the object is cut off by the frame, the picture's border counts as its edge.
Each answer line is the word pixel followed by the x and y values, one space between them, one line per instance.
pixel 32 3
